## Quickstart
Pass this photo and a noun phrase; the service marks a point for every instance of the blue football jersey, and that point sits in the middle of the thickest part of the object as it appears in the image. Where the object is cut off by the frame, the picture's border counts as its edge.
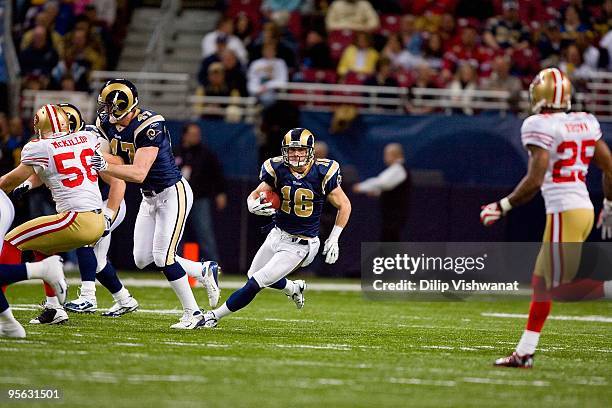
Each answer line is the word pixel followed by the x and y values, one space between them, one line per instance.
pixel 302 195
pixel 146 129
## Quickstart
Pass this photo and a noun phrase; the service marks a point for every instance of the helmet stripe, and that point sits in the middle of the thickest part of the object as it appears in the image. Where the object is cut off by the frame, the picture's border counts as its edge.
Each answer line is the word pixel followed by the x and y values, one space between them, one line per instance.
pixel 52 118
pixel 562 87
pixel 305 134
pixel 558 87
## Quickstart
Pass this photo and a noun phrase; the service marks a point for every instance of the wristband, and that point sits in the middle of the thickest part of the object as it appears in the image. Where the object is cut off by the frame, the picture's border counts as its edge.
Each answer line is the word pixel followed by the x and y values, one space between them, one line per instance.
pixel 335 233
pixel 505 205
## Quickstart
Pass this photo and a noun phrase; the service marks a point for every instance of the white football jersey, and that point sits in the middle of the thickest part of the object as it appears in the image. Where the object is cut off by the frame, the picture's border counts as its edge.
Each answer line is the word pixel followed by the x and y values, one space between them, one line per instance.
pixel 63 163
pixel 570 138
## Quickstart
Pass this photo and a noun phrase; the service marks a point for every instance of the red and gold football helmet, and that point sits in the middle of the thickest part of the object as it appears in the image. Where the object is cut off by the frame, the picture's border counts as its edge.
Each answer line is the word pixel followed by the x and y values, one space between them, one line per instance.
pixel 552 89
pixel 49 120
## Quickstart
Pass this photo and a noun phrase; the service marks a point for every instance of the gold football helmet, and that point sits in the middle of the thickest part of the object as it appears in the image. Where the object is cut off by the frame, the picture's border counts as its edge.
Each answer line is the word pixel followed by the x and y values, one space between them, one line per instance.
pixel 117 98
pixel 75 118
pixel 50 120
pixel 298 138
pixel 550 89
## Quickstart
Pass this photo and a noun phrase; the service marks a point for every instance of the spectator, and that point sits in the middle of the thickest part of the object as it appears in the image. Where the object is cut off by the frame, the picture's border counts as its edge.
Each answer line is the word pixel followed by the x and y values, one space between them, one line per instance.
pixel 279 10
pixel 69 67
pixel 201 167
pixel 393 187
pixel 315 53
pixel 550 44
pixel 234 74
pixel 356 15
pixel 216 85
pixel 467 51
pixel 244 29
pixel 225 26
pixel 43 20
pixel 433 53
pixel 449 34
pixel 572 25
pixel 267 73
pixel 606 44
pixel 216 57
pixel 398 55
pixel 572 65
pixel 106 11
pixel 501 80
pixel 40 56
pixel 94 35
pixel 507 30
pixel 358 58
pixel 425 78
pixel 82 51
pixel 4 93
pixel 11 141
pixel 411 37
pixel 462 88
pixel 383 75
pixel 284 49
pixel 321 150
pixel 64 22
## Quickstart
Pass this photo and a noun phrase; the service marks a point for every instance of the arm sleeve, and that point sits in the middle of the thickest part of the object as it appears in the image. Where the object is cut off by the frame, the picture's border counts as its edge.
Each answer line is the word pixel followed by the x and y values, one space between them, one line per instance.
pixel 151 132
pixel 34 153
pixel 387 180
pixel 535 132
pixel 267 173
pixel 332 177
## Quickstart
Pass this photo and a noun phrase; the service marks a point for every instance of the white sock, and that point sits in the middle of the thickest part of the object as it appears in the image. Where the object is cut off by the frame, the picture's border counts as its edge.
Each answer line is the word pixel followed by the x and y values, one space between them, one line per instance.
pixel 88 289
pixel 193 269
pixel 35 270
pixel 121 294
pixel 607 289
pixel 183 291
pixel 528 343
pixel 222 311
pixel 7 316
pixel 53 302
pixel 290 288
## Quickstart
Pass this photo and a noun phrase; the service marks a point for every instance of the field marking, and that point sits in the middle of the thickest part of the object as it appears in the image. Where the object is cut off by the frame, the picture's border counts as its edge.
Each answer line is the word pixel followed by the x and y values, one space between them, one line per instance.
pixel 420 381
pixel 593 318
pixel 230 284
pixel 495 381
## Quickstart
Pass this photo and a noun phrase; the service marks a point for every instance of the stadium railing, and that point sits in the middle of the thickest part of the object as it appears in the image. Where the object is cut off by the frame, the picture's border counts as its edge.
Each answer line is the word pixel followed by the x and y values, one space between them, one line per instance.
pixel 172 95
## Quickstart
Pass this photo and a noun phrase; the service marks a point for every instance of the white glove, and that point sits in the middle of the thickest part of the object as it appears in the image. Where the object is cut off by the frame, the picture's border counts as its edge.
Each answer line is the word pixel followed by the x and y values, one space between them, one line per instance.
pixel 331 250
pixel 98 162
pixel 605 220
pixel 258 208
pixel 108 218
pixel 492 212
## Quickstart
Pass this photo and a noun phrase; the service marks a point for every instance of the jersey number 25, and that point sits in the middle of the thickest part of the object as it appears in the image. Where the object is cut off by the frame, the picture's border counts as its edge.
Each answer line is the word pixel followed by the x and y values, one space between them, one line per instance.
pixel 574 148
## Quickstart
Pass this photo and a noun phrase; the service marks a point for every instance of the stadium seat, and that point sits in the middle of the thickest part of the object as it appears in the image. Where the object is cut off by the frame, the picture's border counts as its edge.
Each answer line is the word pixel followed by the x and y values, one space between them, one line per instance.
pixel 338 40
pixel 389 23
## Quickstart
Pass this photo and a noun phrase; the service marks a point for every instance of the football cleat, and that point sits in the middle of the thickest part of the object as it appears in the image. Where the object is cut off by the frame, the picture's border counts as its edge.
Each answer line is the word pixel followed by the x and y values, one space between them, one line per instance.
pixel 51 316
pixel 189 321
pixel 54 276
pixel 298 295
pixel 514 360
pixel 210 280
pixel 83 304
pixel 12 329
pixel 209 320
pixel 121 307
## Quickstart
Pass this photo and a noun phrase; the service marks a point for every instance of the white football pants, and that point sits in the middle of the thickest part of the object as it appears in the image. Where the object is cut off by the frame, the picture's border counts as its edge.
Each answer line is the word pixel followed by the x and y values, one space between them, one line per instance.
pixel 7 214
pixel 159 225
pixel 279 255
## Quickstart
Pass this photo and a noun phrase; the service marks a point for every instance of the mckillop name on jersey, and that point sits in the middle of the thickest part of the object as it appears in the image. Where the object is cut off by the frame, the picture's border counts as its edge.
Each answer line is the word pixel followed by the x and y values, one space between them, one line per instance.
pixel 435 285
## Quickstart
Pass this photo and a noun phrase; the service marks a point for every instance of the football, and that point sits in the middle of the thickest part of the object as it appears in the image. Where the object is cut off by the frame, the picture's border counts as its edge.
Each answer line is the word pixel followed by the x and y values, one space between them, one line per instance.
pixel 270 197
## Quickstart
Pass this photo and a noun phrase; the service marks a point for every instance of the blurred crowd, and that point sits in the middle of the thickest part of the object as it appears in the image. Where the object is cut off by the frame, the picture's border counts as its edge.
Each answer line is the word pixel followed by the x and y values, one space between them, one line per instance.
pixel 457 44
pixel 60 42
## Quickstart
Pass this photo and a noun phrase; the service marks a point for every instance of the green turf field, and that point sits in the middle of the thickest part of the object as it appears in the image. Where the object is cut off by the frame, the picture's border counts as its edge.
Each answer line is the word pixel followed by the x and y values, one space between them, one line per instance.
pixel 340 350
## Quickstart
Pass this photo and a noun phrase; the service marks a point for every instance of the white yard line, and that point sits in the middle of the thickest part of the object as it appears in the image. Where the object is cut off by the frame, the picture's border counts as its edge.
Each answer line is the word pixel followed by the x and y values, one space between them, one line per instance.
pixel 225 284
pixel 594 318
